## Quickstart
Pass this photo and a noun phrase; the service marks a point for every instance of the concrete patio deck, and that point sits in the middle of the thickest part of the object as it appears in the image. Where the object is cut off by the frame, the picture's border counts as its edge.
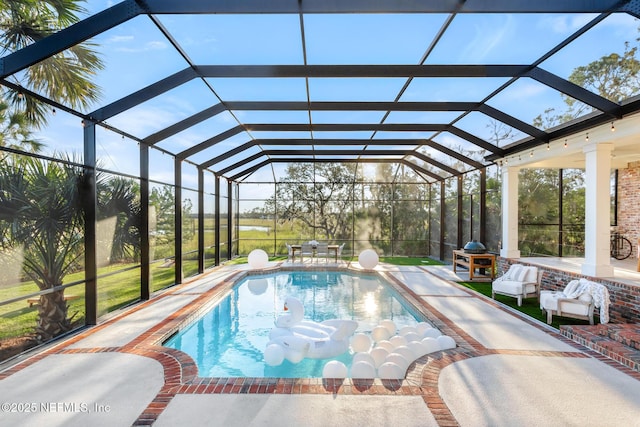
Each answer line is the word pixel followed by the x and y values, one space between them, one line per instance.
pixel 505 371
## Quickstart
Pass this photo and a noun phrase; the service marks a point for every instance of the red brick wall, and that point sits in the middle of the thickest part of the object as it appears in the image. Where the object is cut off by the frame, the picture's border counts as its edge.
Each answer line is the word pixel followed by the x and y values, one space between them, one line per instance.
pixel 629 203
pixel 625 298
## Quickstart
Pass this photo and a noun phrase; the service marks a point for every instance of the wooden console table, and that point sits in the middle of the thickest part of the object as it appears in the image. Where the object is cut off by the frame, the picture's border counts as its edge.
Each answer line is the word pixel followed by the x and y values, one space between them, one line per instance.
pixel 473 261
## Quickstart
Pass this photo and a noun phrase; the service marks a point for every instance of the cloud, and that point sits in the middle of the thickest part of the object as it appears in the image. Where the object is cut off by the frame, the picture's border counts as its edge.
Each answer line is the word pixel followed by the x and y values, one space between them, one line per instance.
pixel 524 89
pixel 156 45
pixel 143 120
pixel 566 24
pixel 622 25
pixel 120 39
pixel 488 36
pixel 149 46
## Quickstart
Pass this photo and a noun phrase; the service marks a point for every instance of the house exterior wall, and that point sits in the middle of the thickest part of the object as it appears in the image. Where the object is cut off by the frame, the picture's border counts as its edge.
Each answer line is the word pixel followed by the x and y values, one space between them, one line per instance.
pixel 629 203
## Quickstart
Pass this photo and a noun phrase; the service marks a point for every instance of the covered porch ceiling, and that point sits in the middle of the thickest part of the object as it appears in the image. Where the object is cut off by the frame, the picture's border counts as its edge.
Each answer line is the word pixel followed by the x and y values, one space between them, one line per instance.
pixel 442 87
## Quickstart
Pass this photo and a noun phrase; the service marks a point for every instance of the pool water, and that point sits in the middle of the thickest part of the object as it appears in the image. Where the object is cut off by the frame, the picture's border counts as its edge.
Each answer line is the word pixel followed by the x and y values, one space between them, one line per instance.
pixel 229 340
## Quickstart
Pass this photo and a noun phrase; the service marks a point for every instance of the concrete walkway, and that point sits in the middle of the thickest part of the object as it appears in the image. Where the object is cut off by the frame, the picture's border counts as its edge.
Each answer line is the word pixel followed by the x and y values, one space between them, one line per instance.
pixel 506 371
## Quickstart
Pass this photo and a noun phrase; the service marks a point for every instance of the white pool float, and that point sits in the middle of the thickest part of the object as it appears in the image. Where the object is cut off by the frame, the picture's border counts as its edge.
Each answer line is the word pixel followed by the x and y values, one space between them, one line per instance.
pixel 334 369
pixel 304 338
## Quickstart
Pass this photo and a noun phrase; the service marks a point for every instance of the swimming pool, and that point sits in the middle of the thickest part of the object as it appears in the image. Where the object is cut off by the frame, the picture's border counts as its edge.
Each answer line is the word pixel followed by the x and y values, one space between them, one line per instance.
pixel 230 339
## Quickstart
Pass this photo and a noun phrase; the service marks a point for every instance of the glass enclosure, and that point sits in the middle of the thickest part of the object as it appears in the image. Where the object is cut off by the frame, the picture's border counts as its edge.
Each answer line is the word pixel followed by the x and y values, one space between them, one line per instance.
pixel 143 151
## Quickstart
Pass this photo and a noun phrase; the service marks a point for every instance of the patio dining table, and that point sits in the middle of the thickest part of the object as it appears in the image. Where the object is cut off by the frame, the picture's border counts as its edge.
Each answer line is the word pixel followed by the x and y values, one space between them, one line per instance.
pixel 298 248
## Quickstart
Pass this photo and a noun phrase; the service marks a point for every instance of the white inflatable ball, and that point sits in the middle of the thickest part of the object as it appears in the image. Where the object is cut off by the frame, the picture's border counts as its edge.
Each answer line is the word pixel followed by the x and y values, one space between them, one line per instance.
pixel 412 336
pixel 433 333
pixel 446 342
pixel 258 259
pixel 363 370
pixel 398 341
pixel 334 369
pixel 360 342
pixel 390 325
pixel 273 355
pixel 399 360
pixel 406 353
pixel 386 345
pixel 406 330
pixel 391 371
pixel 363 357
pixel 417 348
pixel 379 354
pixel 431 344
pixel 368 259
pixel 380 333
pixel 422 327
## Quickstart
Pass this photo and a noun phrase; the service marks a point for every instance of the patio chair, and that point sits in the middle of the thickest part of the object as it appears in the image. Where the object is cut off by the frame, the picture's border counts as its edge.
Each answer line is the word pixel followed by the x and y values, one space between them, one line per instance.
pixel 519 282
pixel 289 252
pixel 578 300
pixel 322 250
pixel 306 249
pixel 339 252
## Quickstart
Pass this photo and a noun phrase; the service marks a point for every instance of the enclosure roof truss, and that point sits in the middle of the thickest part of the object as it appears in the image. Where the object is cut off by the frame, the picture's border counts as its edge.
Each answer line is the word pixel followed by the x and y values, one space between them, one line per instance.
pixel 417 143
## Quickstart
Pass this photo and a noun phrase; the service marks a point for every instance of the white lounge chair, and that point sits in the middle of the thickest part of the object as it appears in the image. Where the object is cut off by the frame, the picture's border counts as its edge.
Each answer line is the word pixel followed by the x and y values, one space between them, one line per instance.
pixel 519 282
pixel 578 300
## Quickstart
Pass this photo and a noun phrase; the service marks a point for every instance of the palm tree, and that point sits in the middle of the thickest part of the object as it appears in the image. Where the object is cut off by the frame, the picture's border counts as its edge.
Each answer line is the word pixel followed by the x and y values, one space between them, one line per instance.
pixel 119 198
pixel 16 133
pixel 40 211
pixel 41 220
pixel 64 77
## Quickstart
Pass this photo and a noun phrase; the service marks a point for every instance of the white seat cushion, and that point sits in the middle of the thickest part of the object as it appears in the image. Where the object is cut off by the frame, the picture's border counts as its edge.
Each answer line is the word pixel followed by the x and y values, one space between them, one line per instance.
pixel 513 287
pixel 510 286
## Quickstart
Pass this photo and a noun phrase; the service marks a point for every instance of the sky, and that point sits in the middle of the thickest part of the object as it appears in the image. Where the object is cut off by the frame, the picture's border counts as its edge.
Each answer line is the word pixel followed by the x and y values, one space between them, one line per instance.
pixel 136 54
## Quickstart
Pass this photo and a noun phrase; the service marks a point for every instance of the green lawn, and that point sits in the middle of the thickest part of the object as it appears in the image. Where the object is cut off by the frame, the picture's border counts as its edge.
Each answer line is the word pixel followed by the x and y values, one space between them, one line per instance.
pixel 399 260
pixel 115 291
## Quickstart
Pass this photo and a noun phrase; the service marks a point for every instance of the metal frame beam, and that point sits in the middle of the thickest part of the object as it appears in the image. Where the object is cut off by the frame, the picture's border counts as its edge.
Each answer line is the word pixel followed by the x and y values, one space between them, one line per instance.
pixel 90 207
pixel 509 120
pixel 69 37
pixel 351 106
pixel 379 6
pixel 575 91
pixel 298 142
pixel 342 142
pixel 144 94
pixel 210 142
pixel 366 152
pixel 297 160
pixel 345 127
pixel 184 124
pixel 340 71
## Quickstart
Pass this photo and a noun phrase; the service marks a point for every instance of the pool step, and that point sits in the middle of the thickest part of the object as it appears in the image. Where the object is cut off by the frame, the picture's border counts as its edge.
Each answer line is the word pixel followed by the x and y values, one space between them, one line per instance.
pixel 620 342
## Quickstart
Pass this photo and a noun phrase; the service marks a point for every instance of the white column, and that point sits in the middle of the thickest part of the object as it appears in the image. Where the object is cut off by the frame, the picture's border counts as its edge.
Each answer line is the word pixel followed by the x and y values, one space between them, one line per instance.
pixel 510 213
pixel 597 262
